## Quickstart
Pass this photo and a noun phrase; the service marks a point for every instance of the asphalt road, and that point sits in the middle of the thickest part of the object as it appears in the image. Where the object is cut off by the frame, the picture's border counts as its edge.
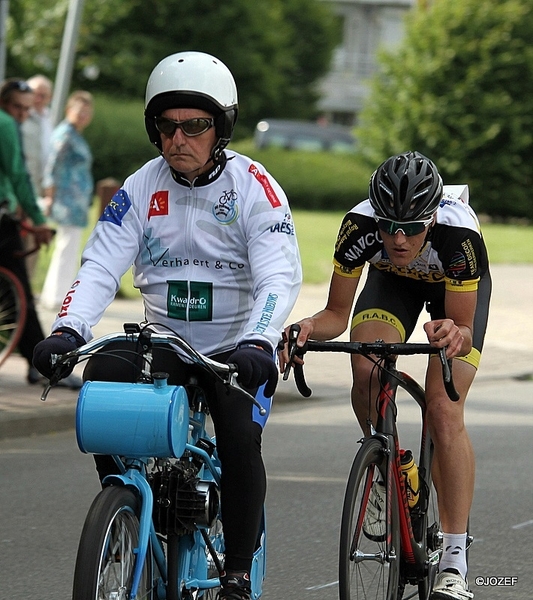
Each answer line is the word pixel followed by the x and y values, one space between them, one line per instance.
pixel 47 487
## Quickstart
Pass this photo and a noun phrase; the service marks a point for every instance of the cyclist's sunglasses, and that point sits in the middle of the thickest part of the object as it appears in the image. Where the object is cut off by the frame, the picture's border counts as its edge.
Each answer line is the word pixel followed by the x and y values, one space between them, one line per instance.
pixel 408 228
pixel 190 127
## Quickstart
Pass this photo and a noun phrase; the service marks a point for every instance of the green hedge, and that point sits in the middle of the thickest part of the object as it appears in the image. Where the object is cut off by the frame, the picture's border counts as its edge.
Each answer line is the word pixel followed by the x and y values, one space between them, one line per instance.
pixel 312 181
pixel 117 138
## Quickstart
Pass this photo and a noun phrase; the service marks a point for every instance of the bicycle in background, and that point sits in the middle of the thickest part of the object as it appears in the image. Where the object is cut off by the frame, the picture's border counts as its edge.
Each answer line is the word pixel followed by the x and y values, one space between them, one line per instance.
pixel 155 530
pixel 390 535
pixel 13 303
pixel 12 312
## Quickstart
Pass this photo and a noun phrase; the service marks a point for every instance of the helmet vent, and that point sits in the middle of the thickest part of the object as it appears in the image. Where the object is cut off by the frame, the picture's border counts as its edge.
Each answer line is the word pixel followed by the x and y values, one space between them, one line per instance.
pixel 406 187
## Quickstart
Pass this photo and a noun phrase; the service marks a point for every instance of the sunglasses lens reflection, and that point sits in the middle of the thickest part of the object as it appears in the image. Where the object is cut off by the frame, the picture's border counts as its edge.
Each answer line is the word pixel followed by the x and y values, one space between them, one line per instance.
pixel 408 229
pixel 190 127
pixel 196 126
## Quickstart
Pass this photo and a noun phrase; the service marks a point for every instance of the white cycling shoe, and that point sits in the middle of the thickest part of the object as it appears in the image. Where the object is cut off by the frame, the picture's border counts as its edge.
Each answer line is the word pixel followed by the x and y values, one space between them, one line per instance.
pixel 450 586
pixel 374 526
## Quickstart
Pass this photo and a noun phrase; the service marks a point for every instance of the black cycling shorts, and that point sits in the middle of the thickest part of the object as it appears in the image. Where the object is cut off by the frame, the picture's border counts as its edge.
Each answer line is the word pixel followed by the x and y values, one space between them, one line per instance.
pixel 398 301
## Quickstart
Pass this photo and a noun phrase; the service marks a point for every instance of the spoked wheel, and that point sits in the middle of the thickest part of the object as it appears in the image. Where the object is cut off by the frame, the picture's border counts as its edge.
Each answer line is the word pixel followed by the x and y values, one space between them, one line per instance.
pixel 12 312
pixel 369 564
pixel 107 550
pixel 431 530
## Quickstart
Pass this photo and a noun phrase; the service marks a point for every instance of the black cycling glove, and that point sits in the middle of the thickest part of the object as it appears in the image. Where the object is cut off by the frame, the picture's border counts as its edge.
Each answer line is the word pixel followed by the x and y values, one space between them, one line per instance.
pixel 256 366
pixel 61 341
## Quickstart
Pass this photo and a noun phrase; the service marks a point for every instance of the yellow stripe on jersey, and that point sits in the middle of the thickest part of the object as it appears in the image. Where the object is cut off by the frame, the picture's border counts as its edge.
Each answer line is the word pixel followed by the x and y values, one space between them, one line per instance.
pixel 346 272
pixel 455 285
pixel 472 358
pixel 380 315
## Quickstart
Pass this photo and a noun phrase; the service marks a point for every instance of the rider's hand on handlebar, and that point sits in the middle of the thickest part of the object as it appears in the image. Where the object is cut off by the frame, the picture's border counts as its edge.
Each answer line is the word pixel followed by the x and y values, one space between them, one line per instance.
pixel 444 332
pixel 255 366
pixel 306 329
pixel 61 341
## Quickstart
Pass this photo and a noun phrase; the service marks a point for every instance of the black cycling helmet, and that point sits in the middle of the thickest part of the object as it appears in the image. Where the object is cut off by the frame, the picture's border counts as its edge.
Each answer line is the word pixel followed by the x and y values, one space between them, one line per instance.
pixel 192 80
pixel 406 187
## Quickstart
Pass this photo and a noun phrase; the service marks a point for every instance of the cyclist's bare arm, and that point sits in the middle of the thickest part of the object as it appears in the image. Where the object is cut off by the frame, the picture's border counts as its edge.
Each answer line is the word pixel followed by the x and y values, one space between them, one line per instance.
pixel 329 322
pixel 456 330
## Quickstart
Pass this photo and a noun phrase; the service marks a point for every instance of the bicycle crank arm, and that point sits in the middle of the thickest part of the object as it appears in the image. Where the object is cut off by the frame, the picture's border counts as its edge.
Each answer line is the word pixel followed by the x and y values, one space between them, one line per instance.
pixel 434 557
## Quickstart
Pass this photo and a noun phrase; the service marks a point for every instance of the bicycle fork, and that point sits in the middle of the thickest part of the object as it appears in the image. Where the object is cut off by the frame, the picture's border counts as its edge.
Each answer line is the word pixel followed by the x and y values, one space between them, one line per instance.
pixel 133 478
pixel 388 554
pixel 413 552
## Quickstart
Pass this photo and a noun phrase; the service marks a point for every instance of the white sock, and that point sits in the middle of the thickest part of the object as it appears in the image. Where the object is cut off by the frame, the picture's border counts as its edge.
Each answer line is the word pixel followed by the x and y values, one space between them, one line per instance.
pixel 454 553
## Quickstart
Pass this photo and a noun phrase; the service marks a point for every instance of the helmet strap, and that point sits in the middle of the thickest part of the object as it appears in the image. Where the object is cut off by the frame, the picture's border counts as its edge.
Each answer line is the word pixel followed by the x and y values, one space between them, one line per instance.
pixel 180 176
pixel 218 148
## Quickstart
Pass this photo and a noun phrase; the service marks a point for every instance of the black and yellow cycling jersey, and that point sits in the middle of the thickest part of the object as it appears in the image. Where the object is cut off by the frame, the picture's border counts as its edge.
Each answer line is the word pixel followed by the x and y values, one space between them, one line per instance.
pixel 453 258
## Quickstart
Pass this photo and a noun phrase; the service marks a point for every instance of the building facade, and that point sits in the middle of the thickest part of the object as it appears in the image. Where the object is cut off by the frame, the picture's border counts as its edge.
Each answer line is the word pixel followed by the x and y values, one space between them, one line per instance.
pixel 367 25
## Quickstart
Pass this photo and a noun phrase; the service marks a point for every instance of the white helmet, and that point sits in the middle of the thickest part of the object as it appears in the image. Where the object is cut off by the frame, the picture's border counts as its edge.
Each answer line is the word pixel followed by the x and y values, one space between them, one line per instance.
pixel 192 80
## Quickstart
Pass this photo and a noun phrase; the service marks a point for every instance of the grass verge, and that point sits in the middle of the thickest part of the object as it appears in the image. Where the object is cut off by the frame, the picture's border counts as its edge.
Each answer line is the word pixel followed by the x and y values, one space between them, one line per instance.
pixel 317 231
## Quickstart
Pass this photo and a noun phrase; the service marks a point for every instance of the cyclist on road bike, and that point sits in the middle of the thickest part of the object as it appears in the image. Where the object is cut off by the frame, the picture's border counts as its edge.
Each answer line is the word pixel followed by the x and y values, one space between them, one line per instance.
pixel 210 235
pixel 424 247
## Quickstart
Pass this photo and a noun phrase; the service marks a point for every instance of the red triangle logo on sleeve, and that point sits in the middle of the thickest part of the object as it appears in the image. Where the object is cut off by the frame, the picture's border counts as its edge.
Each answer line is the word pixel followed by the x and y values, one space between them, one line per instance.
pixel 158 205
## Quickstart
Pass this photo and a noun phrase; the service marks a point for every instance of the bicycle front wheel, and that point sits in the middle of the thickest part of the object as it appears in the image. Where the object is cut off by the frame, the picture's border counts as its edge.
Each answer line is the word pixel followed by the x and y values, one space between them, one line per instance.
pixel 108 549
pixel 12 312
pixel 369 563
pixel 430 535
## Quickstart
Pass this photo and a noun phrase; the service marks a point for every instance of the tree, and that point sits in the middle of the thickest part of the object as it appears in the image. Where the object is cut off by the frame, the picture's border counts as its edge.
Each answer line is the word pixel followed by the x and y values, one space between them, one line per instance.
pixel 276 49
pixel 459 90
pixel 35 31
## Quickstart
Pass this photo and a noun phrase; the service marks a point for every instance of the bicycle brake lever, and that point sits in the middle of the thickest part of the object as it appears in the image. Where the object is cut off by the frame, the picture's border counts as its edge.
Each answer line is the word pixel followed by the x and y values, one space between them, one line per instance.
pixel 56 375
pixel 46 391
pixel 235 384
pixel 446 370
pixel 52 382
pixel 293 337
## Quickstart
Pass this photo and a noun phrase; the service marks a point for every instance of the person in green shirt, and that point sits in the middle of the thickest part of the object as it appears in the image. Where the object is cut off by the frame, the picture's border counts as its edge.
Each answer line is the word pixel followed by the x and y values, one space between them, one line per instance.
pixel 16 99
pixel 15 184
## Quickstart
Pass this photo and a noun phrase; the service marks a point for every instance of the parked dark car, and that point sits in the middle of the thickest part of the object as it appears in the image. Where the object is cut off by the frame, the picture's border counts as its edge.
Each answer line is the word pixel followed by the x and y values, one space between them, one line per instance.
pixel 303 135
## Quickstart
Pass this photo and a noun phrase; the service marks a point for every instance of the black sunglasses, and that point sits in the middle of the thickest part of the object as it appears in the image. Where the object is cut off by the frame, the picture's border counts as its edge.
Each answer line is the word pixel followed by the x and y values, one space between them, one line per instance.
pixel 408 228
pixel 190 127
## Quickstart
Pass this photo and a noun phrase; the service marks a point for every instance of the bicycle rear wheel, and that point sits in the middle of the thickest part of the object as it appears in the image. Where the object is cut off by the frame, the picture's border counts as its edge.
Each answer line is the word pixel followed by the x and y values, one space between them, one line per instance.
pixel 431 531
pixel 12 312
pixel 107 549
pixel 369 564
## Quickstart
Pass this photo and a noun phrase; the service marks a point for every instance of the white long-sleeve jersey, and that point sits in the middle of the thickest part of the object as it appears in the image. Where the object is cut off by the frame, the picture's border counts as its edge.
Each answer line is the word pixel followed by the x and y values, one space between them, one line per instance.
pixel 216 260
